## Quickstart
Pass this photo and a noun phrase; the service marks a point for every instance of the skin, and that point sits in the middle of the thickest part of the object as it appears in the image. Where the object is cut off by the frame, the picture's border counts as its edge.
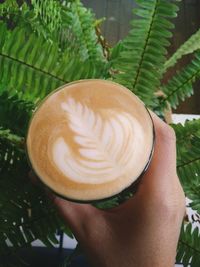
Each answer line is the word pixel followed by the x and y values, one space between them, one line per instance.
pixel 144 231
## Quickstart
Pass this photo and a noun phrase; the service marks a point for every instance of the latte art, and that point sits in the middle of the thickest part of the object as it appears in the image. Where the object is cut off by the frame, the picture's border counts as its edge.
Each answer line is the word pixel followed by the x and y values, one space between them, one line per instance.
pixel 107 145
pixel 90 140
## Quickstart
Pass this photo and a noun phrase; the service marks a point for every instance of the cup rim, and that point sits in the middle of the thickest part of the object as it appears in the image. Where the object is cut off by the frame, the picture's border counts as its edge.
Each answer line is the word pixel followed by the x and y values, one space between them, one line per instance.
pixel 129 188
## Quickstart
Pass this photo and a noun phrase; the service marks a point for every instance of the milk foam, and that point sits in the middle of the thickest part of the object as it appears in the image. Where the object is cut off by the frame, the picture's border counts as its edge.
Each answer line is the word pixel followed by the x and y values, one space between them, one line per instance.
pixel 107 140
pixel 90 140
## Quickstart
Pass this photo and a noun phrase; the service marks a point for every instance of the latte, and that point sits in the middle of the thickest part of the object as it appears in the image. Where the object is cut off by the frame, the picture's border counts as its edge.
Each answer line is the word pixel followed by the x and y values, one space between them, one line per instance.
pixel 90 140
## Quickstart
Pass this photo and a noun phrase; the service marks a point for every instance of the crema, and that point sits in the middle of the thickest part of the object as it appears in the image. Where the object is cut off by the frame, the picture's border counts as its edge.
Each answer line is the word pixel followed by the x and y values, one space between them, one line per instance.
pixel 90 140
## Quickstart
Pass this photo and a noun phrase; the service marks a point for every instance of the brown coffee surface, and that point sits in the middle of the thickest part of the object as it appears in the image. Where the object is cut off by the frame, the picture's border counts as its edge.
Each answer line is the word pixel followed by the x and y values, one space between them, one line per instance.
pixel 90 139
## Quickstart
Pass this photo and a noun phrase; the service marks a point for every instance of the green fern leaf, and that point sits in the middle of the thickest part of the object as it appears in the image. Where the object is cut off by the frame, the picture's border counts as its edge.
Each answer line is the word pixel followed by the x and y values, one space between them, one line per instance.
pixel 26 215
pixel 26 18
pixel 83 29
pixel 21 13
pixel 180 86
pixel 50 13
pixel 189 247
pixel 69 24
pixel 11 151
pixel 8 7
pixel 12 138
pixel 11 106
pixel 35 65
pixel 185 134
pixel 188 167
pixel 188 159
pixel 188 130
pixel 25 212
pixel 47 12
pixel 138 66
pixel 115 51
pixel 190 46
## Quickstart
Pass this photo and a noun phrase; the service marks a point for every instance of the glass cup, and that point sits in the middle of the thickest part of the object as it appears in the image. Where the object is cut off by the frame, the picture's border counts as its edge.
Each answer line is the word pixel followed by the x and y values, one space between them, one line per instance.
pixel 91 141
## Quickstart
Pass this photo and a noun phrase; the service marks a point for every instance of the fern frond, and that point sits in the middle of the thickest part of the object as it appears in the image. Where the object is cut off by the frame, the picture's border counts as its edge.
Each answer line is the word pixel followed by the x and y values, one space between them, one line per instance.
pixel 138 66
pixel 80 24
pixel 35 65
pixel 69 24
pixel 8 7
pixel 188 130
pixel 188 159
pixel 189 174
pixel 15 113
pixel 22 14
pixel 11 152
pixel 50 13
pixel 188 167
pixel 115 52
pixel 25 212
pixel 180 86
pixel 47 12
pixel 26 18
pixel 189 247
pixel 185 134
pixel 190 46
pixel 10 137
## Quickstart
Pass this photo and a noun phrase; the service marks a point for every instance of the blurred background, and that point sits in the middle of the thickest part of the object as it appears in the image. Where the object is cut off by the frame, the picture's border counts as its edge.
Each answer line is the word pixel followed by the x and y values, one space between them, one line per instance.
pixel 118 14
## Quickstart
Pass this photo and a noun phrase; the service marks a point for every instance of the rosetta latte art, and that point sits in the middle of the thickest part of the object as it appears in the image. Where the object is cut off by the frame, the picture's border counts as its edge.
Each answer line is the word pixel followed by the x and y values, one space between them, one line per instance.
pixel 90 140
pixel 107 141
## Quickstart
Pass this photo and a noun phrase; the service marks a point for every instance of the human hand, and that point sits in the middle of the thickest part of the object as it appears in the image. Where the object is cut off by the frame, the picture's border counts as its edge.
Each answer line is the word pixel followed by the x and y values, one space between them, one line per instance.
pixel 144 231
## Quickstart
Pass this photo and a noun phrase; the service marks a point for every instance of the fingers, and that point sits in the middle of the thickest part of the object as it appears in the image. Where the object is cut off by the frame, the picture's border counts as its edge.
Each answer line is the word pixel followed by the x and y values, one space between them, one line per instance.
pixel 164 158
pixel 161 174
pixel 160 184
pixel 76 215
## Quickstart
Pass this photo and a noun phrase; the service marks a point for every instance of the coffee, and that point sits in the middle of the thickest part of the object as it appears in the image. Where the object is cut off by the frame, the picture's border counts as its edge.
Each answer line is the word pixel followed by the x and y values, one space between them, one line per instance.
pixel 90 139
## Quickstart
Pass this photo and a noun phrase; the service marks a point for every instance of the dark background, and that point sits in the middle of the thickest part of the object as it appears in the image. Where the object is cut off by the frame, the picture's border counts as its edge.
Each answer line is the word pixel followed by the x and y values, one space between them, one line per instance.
pixel 118 14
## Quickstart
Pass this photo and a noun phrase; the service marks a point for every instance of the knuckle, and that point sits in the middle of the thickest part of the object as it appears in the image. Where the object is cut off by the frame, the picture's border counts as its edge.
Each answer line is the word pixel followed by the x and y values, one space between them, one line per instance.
pixel 168 133
pixel 173 206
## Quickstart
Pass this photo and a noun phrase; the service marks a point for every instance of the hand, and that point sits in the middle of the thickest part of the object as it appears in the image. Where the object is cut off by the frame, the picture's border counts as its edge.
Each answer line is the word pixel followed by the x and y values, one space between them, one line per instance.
pixel 144 231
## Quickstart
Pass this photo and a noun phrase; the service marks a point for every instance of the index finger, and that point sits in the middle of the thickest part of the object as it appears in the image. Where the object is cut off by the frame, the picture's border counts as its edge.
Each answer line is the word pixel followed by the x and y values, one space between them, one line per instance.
pixel 161 175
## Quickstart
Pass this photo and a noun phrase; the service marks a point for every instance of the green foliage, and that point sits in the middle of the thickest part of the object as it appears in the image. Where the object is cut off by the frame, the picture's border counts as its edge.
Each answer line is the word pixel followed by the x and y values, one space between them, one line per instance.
pixel 32 64
pixel 188 160
pixel 11 138
pixel 8 7
pixel 180 86
pixel 11 152
pixel 82 32
pixel 14 108
pixel 50 13
pixel 188 130
pixel 184 134
pixel 37 70
pixel 21 203
pixel 138 65
pixel 67 22
pixel 113 202
pixel 188 167
pixel 190 46
pixel 189 247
